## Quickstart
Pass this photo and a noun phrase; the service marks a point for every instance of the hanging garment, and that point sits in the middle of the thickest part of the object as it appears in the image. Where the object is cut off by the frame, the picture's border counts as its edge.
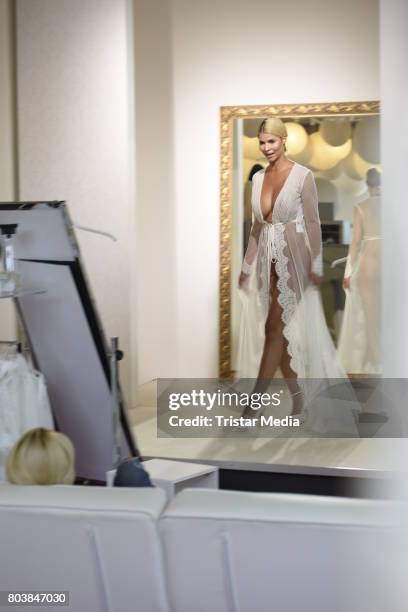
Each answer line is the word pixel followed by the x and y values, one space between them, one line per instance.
pixel 292 242
pixel 359 342
pixel 24 401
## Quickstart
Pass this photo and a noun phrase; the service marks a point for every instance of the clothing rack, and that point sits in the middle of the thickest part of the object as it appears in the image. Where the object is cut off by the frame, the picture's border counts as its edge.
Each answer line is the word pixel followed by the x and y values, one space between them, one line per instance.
pixel 49 266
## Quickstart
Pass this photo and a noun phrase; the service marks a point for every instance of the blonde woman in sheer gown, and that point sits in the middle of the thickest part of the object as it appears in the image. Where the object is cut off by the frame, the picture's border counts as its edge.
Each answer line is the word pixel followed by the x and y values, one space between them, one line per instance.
pixel 359 343
pixel 283 324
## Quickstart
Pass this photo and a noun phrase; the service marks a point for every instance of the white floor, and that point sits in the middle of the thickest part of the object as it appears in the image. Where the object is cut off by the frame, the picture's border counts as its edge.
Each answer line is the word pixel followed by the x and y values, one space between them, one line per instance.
pixel 340 457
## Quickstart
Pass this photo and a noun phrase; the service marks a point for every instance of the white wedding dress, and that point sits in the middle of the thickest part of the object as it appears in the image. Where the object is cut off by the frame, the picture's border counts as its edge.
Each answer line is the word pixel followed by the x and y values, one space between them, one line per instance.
pixel 24 402
pixel 359 342
pixel 293 242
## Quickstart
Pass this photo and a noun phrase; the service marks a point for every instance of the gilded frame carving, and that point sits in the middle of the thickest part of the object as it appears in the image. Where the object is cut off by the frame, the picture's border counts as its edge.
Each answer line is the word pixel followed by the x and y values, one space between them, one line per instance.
pixel 227 116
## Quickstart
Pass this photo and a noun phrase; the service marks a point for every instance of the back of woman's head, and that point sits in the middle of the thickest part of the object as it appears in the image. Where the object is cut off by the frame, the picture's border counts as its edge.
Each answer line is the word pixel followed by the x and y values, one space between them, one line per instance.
pixel 373 178
pixel 41 457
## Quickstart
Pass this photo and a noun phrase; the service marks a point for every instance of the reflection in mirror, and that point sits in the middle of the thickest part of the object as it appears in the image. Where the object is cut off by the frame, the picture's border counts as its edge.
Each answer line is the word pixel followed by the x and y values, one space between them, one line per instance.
pixel 343 154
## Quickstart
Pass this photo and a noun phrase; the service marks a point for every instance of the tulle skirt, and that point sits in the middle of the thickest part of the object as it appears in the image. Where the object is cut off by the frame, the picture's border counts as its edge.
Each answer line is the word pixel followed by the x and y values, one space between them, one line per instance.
pixel 359 342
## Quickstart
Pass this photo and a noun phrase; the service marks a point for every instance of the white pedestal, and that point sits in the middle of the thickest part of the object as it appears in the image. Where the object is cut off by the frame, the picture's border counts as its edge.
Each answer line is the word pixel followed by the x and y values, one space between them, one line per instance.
pixel 172 476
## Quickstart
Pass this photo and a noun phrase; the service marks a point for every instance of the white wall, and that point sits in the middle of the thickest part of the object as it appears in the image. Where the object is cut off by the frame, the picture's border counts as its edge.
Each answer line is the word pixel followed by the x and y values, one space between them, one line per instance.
pixel 75 136
pixel 233 52
pixel 394 136
pixel 192 56
pixel 7 141
pixel 7 103
pixel 156 233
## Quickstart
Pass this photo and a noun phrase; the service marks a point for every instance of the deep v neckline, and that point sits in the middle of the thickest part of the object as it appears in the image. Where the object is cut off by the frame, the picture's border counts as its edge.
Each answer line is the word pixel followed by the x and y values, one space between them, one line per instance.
pixel 277 197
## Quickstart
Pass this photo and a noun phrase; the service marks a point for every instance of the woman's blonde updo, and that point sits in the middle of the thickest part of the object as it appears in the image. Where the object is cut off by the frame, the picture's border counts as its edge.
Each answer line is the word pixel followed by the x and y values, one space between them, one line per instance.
pixel 41 457
pixel 273 125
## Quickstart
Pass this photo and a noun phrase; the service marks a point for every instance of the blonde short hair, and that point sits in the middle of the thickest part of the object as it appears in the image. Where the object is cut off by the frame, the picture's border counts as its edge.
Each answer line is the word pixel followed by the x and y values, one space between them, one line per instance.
pixel 273 125
pixel 41 457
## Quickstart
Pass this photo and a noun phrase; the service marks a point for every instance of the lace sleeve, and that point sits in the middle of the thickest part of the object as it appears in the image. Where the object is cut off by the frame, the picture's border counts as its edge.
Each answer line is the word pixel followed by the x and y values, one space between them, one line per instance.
pixel 355 245
pixel 312 222
pixel 252 248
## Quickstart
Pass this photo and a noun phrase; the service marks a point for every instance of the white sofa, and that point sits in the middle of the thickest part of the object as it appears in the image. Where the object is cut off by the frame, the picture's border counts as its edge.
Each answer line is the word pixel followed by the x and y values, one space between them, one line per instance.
pixel 261 552
pixel 100 544
pixel 122 550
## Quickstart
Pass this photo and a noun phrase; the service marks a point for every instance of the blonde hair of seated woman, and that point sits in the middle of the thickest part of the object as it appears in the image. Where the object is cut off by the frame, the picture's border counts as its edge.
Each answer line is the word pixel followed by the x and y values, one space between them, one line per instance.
pixel 41 457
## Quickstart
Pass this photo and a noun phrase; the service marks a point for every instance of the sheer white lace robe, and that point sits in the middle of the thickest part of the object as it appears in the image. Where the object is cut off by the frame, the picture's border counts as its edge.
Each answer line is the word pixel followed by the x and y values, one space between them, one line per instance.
pixel 292 242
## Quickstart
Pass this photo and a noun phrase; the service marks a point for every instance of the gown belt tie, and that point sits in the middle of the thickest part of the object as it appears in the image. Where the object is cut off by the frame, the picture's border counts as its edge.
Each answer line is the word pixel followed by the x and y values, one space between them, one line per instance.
pixel 271 253
pixel 270 238
pixel 270 241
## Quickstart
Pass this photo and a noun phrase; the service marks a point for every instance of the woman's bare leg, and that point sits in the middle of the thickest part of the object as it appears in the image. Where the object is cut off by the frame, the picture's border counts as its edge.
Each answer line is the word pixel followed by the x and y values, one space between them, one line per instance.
pixel 291 380
pixel 274 341
pixel 273 346
pixel 275 353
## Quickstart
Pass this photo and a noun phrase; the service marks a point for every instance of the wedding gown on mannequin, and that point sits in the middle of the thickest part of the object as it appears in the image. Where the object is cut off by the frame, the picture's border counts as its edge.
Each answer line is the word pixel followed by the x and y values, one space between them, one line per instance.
pixel 292 241
pixel 24 403
pixel 359 343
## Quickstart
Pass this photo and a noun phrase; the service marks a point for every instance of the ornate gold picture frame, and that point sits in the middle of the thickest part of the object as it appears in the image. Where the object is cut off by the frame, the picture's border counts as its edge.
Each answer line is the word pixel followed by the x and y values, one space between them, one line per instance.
pixel 227 116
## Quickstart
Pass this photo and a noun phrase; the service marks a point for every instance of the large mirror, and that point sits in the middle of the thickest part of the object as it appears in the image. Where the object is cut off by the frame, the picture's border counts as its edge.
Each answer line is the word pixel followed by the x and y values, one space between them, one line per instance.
pixel 339 143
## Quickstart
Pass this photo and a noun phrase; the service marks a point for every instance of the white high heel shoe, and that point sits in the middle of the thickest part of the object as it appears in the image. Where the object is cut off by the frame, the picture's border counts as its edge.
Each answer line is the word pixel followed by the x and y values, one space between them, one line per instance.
pixel 302 415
